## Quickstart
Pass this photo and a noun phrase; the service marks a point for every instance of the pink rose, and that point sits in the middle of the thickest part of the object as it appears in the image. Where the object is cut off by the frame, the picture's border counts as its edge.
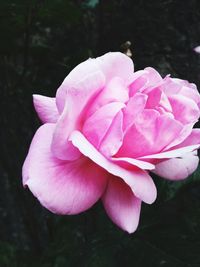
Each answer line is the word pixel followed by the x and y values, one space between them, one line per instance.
pixel 105 130
pixel 197 49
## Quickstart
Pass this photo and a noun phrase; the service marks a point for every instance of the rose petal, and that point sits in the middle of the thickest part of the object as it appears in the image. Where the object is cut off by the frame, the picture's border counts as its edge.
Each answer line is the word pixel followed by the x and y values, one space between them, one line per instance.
pixel 190 93
pixel 138 83
pixel 174 153
pixel 46 108
pixel 177 168
pixel 154 97
pixel 185 132
pixel 121 205
pixel 167 130
pixel 154 78
pixel 113 139
pixel 87 74
pixel 116 64
pixel 134 107
pixel 139 139
pixel 140 182
pixel 61 147
pixel 192 139
pixel 62 187
pixel 77 101
pixel 184 109
pixel 135 162
pixel 114 91
pixel 97 125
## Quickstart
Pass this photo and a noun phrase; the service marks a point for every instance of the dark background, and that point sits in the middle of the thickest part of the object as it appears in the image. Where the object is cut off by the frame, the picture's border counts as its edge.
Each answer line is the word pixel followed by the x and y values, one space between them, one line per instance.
pixel 40 42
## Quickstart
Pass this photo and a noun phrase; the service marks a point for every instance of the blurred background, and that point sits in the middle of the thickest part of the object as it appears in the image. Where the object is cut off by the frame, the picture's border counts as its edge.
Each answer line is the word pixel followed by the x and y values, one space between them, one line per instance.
pixel 41 41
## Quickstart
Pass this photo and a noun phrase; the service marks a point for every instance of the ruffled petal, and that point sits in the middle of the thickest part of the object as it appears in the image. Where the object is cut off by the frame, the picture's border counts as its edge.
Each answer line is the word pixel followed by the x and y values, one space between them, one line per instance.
pixel 167 130
pixel 134 107
pixel 116 64
pixel 191 93
pixel 177 168
pixel 139 181
pixel 135 162
pixel 83 80
pixel 46 108
pixel 192 139
pixel 173 153
pixel 184 134
pixel 143 79
pixel 121 205
pixel 62 187
pixel 114 91
pixel 97 125
pixel 61 147
pixel 150 133
pixel 77 101
pixel 113 139
pixel 184 109
pixel 139 138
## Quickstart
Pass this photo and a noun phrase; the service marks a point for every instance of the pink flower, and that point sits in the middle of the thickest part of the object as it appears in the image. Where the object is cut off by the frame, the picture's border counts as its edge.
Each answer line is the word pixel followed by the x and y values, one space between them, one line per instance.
pixel 197 49
pixel 105 130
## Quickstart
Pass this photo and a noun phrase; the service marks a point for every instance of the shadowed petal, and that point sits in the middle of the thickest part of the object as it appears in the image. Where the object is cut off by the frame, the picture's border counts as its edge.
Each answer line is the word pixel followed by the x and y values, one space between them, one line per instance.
pixel 121 205
pixel 46 108
pixel 139 181
pixel 77 101
pixel 62 187
pixel 177 168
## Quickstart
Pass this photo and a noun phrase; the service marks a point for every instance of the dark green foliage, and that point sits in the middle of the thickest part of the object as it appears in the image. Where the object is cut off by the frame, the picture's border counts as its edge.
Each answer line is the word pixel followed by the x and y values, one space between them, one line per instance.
pixel 41 41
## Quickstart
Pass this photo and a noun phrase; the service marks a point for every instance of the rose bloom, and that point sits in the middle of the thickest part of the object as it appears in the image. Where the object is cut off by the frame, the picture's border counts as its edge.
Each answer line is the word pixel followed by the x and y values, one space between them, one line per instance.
pixel 102 134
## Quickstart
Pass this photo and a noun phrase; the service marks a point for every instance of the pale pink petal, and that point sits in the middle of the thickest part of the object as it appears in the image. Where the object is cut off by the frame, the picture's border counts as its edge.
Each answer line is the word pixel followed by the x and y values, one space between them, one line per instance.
pixel 87 74
pixel 135 162
pixel 197 49
pixel 192 139
pixel 144 79
pixel 97 125
pixel 116 64
pixel 62 187
pixel 113 139
pixel 114 91
pixel 76 104
pixel 121 205
pixel 61 147
pixel 177 168
pixel 46 108
pixel 171 86
pixel 154 97
pixel 174 153
pixel 190 93
pixel 154 78
pixel 167 130
pixel 138 82
pixel 139 138
pixel 164 102
pixel 185 132
pixel 150 134
pixel 134 107
pixel 139 181
pixel 184 109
